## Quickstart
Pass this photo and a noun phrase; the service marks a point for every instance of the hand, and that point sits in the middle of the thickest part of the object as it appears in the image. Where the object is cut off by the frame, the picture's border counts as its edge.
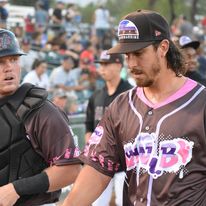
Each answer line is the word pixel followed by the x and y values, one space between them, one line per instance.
pixel 8 195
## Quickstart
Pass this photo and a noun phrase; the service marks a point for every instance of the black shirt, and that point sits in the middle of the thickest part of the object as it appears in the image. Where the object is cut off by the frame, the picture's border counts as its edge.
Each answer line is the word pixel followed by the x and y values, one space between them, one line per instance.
pixel 194 75
pixel 99 101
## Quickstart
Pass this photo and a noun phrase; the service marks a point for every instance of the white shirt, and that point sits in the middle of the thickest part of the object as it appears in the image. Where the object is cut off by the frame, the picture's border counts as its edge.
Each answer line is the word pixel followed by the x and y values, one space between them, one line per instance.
pixel 42 81
pixel 60 76
pixel 27 60
pixel 102 19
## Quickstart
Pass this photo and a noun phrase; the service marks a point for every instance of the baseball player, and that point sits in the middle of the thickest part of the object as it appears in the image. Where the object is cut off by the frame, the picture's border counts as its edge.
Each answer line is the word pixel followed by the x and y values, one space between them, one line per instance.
pixel 38 155
pixel 110 68
pixel 155 132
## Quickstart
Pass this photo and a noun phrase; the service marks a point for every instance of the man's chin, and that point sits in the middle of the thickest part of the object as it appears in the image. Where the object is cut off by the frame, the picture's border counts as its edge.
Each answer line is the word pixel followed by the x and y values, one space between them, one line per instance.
pixel 8 91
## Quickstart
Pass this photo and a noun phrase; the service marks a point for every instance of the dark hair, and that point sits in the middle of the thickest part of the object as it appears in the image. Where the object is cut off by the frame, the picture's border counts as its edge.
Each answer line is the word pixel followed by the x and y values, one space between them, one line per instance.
pixel 175 59
pixel 37 62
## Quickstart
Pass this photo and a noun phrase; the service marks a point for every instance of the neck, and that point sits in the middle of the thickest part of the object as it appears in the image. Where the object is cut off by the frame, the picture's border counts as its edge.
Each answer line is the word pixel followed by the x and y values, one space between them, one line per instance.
pixel 112 85
pixel 160 92
pixel 38 74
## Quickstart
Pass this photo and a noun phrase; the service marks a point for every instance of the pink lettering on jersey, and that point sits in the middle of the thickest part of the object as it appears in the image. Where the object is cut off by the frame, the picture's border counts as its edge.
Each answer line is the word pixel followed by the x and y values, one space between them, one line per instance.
pixel 131 156
pixel 168 155
pixel 67 153
pixel 76 152
pixel 101 160
pixel 184 150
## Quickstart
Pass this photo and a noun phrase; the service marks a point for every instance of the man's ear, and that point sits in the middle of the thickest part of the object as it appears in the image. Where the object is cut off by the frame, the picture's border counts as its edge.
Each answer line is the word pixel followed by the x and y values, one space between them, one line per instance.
pixel 163 47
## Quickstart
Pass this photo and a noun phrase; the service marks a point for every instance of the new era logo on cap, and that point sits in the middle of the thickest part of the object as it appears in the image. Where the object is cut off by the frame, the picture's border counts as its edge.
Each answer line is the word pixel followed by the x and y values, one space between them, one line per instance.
pixel 157 33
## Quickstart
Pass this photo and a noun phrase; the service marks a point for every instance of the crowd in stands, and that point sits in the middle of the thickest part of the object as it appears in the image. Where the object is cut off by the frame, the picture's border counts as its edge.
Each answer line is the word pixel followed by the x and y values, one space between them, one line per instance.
pixel 191 39
pixel 61 53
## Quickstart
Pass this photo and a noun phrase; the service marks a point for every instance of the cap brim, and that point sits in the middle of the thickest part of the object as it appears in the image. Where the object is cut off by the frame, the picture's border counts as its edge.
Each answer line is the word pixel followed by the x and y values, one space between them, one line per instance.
pixel 102 61
pixel 123 48
pixel 194 45
pixel 21 53
pixel 12 53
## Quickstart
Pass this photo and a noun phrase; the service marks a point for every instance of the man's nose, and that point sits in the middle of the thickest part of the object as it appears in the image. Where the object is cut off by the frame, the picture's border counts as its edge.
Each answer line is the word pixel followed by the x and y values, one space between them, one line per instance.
pixel 132 61
pixel 7 66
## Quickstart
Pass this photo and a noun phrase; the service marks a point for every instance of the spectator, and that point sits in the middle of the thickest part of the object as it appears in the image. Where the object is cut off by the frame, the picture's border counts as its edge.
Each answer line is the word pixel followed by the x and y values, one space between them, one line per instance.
pixel 101 19
pixel 29 26
pixel 65 77
pixel 38 75
pixel 67 103
pixel 52 54
pixel 201 61
pixel 3 14
pixel 186 27
pixel 189 48
pixel 57 16
pixel 41 16
pixel 27 60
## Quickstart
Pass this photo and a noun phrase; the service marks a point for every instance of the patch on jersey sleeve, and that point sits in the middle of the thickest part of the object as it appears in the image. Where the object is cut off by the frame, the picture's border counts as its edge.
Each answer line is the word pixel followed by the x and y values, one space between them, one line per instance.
pixel 96 135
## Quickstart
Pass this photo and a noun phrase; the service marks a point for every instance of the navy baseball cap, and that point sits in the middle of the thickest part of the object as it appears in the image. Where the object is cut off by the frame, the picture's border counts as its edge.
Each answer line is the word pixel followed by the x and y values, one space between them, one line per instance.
pixel 9 44
pixel 109 58
pixel 186 41
pixel 140 29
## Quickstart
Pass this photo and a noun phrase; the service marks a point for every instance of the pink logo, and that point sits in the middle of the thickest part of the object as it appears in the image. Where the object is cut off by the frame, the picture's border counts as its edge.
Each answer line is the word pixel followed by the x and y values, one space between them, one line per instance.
pixel 168 157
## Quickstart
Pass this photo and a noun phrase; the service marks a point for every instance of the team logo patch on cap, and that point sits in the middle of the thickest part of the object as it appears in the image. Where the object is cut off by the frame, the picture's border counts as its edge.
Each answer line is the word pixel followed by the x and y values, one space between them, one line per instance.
pixel 184 40
pixel 104 55
pixel 6 42
pixel 127 30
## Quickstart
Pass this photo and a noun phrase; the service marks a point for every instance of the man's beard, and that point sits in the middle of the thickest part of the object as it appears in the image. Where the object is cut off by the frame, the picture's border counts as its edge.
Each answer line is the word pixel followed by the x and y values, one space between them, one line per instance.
pixel 149 77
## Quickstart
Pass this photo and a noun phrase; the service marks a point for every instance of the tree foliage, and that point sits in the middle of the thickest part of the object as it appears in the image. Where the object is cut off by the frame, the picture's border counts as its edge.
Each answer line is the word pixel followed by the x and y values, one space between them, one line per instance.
pixel 27 2
pixel 87 13
pixel 168 8
pixel 23 2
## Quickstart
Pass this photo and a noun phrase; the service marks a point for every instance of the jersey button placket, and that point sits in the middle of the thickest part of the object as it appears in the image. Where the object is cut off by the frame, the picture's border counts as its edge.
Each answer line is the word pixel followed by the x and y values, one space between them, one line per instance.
pixel 150 113
pixel 141 199
pixel 147 128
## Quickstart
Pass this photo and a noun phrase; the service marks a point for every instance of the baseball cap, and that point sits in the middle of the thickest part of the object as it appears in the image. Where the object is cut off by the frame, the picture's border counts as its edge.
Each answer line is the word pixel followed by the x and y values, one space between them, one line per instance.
pixel 140 29
pixel 109 58
pixel 67 57
pixel 9 44
pixel 186 41
pixel 86 57
pixel 60 93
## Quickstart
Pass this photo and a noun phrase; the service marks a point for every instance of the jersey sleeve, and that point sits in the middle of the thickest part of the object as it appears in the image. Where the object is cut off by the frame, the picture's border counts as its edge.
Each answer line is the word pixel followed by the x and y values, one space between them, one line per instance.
pixel 102 150
pixel 50 135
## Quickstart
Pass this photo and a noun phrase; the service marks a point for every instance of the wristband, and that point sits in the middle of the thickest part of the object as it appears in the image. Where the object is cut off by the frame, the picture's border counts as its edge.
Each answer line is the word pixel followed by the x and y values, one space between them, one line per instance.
pixel 32 185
